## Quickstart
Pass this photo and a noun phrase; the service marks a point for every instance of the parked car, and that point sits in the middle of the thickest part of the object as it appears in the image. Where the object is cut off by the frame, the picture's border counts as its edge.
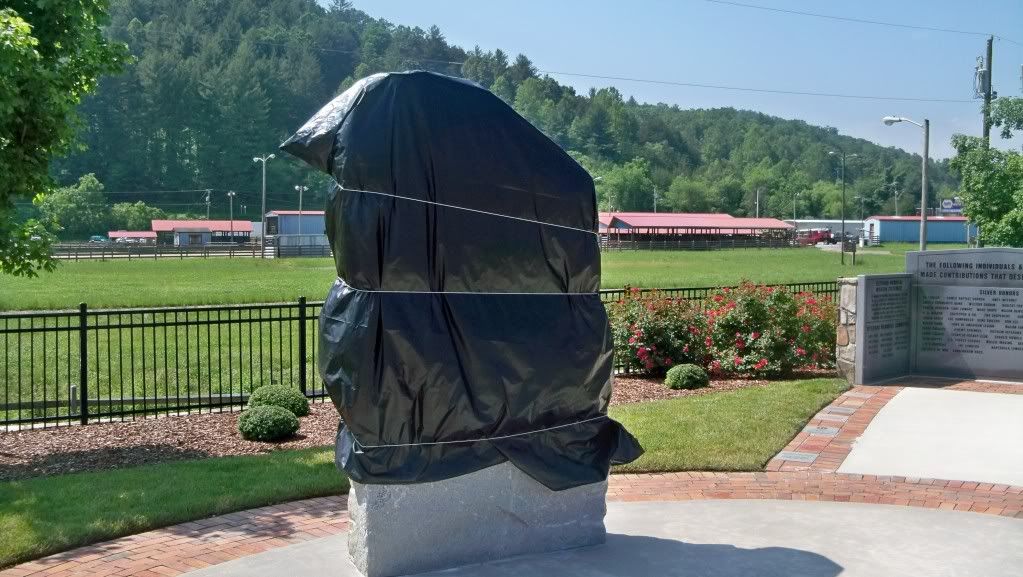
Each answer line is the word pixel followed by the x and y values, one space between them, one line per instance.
pixel 813 236
pixel 98 239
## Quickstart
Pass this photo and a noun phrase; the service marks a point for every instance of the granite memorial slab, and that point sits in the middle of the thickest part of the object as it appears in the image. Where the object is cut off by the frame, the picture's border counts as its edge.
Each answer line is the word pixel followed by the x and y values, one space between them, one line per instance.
pixel 954 313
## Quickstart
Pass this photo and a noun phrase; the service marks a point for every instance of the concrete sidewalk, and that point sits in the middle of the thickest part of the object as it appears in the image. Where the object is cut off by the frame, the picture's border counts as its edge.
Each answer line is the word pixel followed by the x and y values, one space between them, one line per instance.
pixel 942 434
pixel 728 539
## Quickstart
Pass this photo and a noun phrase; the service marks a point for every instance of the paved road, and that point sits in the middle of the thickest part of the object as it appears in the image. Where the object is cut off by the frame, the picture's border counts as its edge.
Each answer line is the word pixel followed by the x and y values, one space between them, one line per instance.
pixel 728 539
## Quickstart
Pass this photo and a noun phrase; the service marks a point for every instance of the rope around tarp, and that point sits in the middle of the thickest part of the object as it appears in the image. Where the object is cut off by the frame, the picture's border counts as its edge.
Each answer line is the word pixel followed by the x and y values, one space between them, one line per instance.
pixel 478 211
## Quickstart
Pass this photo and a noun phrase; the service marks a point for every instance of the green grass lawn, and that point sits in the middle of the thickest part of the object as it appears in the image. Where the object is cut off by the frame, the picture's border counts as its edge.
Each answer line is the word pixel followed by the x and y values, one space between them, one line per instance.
pixel 114 284
pixel 50 514
pixel 732 431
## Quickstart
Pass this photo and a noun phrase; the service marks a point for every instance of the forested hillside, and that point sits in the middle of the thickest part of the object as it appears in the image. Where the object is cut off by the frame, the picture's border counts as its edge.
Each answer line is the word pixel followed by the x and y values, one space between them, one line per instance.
pixel 216 82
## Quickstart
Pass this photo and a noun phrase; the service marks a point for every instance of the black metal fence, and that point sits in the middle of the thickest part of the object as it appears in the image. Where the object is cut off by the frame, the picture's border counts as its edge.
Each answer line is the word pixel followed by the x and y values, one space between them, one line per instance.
pixel 79 366
pixel 65 367
pixel 824 288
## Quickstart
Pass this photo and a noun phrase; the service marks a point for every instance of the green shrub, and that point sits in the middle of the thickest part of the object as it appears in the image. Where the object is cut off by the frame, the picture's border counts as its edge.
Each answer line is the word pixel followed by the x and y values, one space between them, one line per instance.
pixel 765 331
pixel 267 423
pixel 653 332
pixel 686 377
pixel 280 396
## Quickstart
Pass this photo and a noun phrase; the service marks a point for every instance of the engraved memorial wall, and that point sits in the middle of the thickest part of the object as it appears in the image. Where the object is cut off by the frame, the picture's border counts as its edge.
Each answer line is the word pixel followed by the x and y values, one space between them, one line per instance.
pixel 954 313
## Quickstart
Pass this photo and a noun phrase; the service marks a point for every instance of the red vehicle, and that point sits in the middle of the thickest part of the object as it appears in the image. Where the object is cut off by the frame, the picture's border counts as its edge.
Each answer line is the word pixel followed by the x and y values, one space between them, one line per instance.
pixel 813 236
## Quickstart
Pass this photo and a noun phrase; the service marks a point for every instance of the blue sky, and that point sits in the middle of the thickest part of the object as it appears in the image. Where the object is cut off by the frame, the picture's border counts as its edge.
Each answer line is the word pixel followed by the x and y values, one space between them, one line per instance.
pixel 701 42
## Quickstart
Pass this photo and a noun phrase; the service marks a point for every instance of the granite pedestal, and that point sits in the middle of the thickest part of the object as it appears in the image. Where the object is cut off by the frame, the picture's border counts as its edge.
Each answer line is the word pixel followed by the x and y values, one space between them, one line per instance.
pixel 490 514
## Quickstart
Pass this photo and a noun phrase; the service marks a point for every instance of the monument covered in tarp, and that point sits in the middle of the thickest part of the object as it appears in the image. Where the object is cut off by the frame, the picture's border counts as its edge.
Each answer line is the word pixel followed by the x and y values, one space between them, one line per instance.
pixel 465 328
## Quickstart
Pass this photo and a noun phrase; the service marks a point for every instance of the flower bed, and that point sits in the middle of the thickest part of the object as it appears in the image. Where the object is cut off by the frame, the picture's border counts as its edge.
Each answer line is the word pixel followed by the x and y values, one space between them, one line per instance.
pixel 751 330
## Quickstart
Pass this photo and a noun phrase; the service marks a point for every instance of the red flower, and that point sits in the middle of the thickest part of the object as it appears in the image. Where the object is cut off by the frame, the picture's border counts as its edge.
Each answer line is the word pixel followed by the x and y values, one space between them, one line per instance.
pixel 756 335
pixel 805 328
pixel 632 340
pixel 737 360
pixel 800 352
pixel 708 341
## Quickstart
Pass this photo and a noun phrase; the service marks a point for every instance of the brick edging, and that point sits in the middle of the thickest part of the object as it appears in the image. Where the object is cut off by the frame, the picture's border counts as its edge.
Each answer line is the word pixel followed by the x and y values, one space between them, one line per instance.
pixel 791 475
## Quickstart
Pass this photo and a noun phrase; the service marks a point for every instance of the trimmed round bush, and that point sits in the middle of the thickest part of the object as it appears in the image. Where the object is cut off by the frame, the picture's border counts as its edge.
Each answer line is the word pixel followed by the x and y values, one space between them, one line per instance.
pixel 267 423
pixel 280 396
pixel 686 377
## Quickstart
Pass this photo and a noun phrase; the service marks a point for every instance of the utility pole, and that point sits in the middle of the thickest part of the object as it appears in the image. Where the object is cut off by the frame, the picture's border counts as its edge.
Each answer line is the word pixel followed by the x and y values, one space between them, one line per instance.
pixel 655 199
pixel 923 174
pixel 794 197
pixel 262 211
pixel 300 190
pixel 230 200
pixel 758 202
pixel 988 91
pixel 841 154
pixel 895 189
pixel 208 193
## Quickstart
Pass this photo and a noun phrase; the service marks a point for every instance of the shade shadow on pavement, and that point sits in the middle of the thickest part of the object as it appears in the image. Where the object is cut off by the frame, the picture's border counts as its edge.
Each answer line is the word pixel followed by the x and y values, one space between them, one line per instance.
pixel 636 555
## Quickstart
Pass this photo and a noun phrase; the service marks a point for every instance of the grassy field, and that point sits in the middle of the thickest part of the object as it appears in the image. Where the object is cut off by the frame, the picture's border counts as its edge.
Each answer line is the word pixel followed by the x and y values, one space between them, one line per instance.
pixel 733 431
pixel 186 282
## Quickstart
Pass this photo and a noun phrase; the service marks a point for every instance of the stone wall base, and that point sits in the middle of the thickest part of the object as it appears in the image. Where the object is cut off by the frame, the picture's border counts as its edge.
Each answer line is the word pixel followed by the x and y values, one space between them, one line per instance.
pixel 845 340
pixel 490 514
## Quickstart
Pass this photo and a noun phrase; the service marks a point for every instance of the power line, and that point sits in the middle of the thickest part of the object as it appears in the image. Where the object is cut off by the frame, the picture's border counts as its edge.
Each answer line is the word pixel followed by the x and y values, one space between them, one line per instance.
pixel 764 90
pixel 655 81
pixel 862 20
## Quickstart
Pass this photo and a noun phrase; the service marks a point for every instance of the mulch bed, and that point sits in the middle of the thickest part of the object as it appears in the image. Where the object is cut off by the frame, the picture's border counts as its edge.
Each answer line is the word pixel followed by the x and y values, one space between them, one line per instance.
pixel 44 452
pixel 72 449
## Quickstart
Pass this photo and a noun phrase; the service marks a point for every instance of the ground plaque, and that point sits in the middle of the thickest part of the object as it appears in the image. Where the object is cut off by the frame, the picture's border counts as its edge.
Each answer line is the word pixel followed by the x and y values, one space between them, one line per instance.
pixel 954 313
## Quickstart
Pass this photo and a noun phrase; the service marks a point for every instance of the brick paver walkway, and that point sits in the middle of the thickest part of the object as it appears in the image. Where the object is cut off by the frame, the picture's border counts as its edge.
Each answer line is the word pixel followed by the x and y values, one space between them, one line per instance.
pixel 803 471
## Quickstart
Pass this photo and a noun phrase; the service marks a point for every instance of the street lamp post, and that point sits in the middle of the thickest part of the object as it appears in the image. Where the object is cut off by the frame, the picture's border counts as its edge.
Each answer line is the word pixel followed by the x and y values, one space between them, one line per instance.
pixel 926 126
pixel 841 154
pixel 230 199
pixel 262 211
pixel 300 190
pixel 794 197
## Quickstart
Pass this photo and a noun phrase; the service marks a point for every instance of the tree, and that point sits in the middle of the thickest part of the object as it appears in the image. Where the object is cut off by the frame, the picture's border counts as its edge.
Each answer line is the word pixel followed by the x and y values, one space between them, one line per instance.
pixel 134 215
pixel 627 187
pixel 78 211
pixel 504 89
pixel 991 189
pixel 685 195
pixel 51 54
pixel 992 180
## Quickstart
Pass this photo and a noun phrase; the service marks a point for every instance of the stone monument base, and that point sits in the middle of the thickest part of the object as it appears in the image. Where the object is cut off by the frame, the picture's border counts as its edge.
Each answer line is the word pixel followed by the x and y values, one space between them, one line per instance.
pixel 490 514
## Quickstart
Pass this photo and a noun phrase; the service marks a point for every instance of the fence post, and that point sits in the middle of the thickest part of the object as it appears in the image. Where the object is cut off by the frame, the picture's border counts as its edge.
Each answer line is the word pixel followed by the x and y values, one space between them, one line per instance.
pixel 83 362
pixel 301 345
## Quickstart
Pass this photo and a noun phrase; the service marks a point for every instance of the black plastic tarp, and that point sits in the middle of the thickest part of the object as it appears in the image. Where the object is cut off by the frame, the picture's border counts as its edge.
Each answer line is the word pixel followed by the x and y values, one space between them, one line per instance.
pixel 465 328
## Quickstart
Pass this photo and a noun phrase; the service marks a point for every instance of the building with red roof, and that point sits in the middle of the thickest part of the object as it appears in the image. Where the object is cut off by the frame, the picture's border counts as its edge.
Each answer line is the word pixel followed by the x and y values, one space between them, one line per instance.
pixel 690 230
